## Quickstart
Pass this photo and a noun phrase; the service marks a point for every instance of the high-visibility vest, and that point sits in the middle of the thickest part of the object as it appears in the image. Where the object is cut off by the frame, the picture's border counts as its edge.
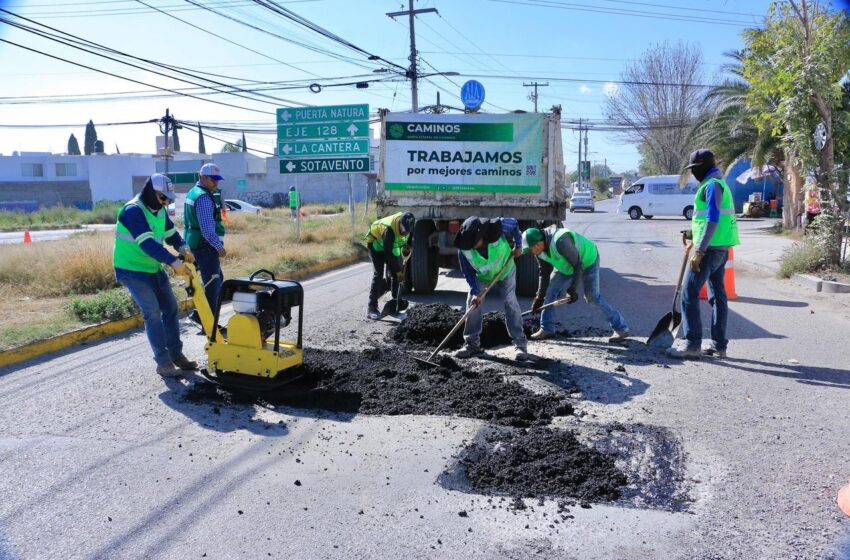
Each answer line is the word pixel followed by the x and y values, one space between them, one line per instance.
pixel 587 251
pixel 487 267
pixel 726 234
pixel 377 229
pixel 128 253
pixel 192 230
pixel 294 199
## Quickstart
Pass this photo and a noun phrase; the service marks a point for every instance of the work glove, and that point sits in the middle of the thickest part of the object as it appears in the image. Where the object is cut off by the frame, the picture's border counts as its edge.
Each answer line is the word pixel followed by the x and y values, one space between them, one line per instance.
pixel 536 304
pixel 406 252
pixel 400 276
pixel 476 301
pixel 187 255
pixel 687 235
pixel 572 293
pixel 178 267
pixel 696 260
pixel 517 252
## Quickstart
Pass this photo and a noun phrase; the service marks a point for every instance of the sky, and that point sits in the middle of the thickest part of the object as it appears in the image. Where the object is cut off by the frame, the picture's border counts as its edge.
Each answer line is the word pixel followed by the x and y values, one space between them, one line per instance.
pixel 577 46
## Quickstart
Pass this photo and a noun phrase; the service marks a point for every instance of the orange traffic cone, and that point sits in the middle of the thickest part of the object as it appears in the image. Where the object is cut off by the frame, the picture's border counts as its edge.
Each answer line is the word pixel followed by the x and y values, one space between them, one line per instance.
pixel 728 279
pixel 843 499
pixel 224 215
pixel 27 236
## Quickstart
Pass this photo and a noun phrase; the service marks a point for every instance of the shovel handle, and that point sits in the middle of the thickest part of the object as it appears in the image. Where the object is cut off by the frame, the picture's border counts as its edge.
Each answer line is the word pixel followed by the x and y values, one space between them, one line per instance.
pixel 555 303
pixel 682 274
pixel 471 308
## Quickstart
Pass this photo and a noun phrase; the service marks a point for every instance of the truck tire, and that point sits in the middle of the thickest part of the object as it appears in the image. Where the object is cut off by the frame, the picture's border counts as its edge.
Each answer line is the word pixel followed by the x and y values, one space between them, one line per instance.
pixel 423 264
pixel 527 275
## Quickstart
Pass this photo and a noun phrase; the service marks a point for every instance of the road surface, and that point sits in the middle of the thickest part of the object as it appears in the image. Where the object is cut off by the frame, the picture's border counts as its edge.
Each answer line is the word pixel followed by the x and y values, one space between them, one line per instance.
pixel 102 459
pixel 8 237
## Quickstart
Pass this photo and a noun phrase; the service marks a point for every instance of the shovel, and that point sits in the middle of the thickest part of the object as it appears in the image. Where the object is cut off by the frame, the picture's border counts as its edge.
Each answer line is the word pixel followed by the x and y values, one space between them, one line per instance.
pixel 427 361
pixel 555 303
pixel 662 336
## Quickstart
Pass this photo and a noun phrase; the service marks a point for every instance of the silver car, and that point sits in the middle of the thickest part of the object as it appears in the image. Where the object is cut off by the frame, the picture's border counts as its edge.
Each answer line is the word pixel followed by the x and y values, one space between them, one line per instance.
pixel 582 201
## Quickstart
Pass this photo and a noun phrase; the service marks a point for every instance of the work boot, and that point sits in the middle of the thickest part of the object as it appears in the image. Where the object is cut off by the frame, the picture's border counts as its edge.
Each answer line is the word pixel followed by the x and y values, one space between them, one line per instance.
pixel 620 336
pixel 468 351
pixel 401 304
pixel 195 317
pixel 168 370
pixel 541 335
pixel 184 363
pixel 710 349
pixel 683 350
pixel 373 313
pixel 520 355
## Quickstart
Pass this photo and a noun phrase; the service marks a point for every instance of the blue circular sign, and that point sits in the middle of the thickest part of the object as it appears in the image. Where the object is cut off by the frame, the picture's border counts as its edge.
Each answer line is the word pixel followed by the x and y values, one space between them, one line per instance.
pixel 472 94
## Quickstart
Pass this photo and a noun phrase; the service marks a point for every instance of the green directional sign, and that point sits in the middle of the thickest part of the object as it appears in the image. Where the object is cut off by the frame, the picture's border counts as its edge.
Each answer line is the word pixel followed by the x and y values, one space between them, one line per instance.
pixel 321 131
pixel 325 165
pixel 183 178
pixel 328 113
pixel 324 148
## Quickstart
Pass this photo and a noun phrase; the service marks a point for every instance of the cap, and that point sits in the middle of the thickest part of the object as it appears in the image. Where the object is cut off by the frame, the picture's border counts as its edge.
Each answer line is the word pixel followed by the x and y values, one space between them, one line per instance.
pixel 212 171
pixel 699 157
pixel 531 237
pixel 407 221
pixel 162 184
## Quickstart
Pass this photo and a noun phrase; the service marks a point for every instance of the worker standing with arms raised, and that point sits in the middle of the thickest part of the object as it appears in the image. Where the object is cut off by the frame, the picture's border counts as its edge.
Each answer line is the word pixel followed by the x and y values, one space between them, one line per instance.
pixel 484 246
pixel 574 258
pixel 387 238
pixel 714 231
pixel 139 256
pixel 204 231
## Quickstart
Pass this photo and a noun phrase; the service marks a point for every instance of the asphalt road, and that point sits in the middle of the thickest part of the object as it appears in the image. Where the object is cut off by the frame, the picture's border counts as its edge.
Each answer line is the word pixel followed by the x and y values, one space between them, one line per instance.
pixel 10 237
pixel 100 458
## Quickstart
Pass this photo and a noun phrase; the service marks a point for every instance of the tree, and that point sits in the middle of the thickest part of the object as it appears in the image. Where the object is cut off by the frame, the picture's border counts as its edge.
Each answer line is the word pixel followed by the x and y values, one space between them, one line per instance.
pixel 175 140
pixel 659 98
pixel 601 185
pixel 202 149
pixel 90 139
pixel 231 147
pixel 799 58
pixel 244 144
pixel 73 146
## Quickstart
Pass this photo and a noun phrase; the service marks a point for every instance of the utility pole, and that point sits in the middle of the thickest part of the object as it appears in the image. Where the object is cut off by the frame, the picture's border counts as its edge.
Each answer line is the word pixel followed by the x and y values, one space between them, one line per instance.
pixel 167 123
pixel 578 177
pixel 586 154
pixel 533 96
pixel 413 71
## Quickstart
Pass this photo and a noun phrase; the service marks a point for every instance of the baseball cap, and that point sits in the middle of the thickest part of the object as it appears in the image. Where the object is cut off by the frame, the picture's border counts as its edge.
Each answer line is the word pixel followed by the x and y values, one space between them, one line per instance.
pixel 212 171
pixel 162 184
pixel 531 237
pixel 700 157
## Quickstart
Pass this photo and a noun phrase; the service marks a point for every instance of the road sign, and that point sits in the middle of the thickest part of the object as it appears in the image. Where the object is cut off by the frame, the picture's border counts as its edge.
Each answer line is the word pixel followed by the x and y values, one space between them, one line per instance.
pixel 328 113
pixel 325 165
pixel 324 148
pixel 321 131
pixel 472 95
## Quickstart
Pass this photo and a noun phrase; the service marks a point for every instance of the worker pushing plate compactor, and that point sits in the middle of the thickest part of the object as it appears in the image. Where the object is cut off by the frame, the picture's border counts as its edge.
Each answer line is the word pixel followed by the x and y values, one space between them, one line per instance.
pixel 251 355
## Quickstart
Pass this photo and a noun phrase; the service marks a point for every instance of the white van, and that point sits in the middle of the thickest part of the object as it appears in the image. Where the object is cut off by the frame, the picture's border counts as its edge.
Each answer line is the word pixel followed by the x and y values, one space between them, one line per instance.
pixel 658 195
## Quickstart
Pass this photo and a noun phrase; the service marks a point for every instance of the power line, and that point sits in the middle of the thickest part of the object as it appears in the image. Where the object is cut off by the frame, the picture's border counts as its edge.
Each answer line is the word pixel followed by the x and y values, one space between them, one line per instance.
pixel 584 80
pixel 75 125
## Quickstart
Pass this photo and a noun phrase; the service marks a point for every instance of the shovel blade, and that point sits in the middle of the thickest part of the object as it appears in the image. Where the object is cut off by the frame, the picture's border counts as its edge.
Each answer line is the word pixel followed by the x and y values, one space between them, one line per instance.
pixel 425 362
pixel 662 335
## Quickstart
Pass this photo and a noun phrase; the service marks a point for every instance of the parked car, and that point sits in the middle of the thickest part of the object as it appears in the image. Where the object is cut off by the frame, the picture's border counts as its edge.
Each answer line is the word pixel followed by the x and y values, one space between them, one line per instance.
pixel 237 206
pixel 582 201
pixel 658 195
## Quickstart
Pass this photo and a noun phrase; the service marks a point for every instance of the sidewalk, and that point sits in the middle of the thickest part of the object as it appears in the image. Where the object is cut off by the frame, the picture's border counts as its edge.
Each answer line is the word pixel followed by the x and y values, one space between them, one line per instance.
pixel 760 249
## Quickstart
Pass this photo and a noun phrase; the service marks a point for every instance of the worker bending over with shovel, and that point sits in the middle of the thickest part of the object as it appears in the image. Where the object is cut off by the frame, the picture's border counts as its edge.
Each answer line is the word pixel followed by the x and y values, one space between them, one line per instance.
pixel 486 251
pixel 387 239
pixel 574 259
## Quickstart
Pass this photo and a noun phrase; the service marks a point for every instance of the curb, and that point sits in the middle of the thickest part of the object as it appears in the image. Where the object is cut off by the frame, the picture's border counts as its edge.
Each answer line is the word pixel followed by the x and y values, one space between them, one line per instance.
pixel 812 282
pixel 109 328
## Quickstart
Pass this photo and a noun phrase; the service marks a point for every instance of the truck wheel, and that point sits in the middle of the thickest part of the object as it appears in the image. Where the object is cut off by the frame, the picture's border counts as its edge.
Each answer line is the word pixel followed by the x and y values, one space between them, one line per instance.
pixel 688 212
pixel 635 213
pixel 423 264
pixel 527 275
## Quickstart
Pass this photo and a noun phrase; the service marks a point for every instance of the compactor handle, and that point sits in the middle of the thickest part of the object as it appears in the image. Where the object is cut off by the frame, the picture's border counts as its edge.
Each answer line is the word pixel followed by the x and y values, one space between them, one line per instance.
pixel 269 272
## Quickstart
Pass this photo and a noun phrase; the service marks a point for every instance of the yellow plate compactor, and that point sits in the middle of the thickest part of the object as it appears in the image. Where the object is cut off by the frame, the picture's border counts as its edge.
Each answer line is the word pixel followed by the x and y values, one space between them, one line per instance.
pixel 251 355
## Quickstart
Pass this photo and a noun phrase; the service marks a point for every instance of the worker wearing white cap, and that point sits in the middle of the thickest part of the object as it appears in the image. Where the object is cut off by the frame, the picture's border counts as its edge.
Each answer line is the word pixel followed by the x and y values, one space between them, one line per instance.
pixel 204 230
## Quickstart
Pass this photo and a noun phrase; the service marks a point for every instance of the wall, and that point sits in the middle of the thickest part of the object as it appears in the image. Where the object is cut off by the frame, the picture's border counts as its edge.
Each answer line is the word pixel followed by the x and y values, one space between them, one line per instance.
pixel 112 177
pixel 48 193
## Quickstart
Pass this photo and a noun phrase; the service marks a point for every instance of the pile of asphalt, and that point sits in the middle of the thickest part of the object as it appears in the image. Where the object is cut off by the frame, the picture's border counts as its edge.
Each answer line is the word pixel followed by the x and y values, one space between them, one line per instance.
pixel 541 462
pixel 429 324
pixel 389 381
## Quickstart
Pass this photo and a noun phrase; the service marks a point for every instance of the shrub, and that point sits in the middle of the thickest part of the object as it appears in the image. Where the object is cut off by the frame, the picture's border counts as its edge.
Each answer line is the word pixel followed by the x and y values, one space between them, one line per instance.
pixel 105 306
pixel 800 258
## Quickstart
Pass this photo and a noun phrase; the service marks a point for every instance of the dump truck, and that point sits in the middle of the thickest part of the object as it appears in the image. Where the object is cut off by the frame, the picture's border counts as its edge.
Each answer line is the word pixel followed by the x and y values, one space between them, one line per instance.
pixel 445 168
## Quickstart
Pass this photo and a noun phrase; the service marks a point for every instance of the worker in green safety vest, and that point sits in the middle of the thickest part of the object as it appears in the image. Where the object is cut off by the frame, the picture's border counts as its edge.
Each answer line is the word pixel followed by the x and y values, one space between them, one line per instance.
pixel 204 231
pixel 574 258
pixel 714 230
pixel 139 256
pixel 486 252
pixel 388 239
pixel 294 202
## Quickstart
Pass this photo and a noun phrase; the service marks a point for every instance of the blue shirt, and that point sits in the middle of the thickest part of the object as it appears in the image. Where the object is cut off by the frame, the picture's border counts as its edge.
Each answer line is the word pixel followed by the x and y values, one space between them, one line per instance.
pixel 510 231
pixel 133 218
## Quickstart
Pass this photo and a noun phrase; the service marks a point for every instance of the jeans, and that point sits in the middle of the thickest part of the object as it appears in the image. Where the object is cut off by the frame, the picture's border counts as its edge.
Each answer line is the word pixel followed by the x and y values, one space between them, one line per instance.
pixel 712 269
pixel 558 289
pixel 513 315
pixel 153 294
pixel 379 285
pixel 209 265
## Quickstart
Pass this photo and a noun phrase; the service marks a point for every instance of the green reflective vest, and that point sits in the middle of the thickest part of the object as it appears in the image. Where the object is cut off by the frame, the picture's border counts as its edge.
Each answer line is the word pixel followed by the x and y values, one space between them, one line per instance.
pixel 377 229
pixel 128 253
pixel 587 251
pixel 192 229
pixel 294 199
pixel 486 268
pixel 726 234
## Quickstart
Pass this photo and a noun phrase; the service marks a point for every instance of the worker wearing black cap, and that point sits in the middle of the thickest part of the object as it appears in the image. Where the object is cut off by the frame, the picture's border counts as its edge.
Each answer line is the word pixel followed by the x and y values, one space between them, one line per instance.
pixel 388 239
pixel 484 246
pixel 713 232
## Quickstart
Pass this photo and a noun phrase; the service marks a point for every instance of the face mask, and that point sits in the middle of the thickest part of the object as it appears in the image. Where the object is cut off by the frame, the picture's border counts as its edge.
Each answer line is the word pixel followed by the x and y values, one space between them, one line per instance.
pixel 701 171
